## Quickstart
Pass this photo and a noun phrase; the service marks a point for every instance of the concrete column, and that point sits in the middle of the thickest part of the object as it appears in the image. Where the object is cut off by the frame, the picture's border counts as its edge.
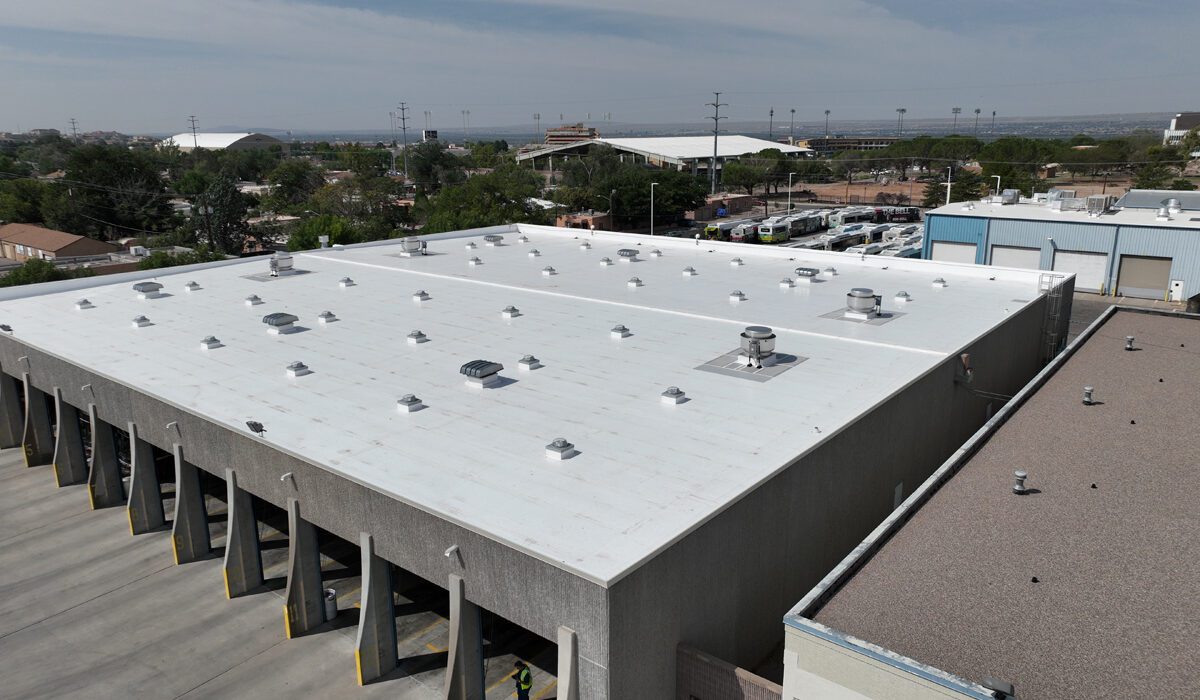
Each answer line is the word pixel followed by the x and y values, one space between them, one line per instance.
pixel 105 488
pixel 37 439
pixel 568 664
pixel 12 421
pixel 70 461
pixel 464 668
pixel 189 531
pixel 243 556
pixel 375 651
pixel 304 607
pixel 145 508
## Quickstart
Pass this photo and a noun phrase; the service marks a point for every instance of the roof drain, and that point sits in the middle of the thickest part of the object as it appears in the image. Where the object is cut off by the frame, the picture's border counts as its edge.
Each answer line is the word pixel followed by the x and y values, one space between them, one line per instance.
pixel 481 373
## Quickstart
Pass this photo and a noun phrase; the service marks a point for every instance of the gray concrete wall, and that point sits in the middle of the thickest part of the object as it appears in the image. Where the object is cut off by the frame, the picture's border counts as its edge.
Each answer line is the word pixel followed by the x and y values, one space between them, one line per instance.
pixel 725 587
pixel 508 582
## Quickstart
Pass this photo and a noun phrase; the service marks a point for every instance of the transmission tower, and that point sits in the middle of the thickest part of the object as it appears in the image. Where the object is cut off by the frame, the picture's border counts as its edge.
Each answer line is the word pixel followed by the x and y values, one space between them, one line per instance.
pixel 74 131
pixel 195 143
pixel 716 104
pixel 404 133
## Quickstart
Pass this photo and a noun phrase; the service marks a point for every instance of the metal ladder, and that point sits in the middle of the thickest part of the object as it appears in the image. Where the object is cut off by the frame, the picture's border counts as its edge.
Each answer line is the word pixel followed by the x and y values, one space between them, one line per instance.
pixel 1051 286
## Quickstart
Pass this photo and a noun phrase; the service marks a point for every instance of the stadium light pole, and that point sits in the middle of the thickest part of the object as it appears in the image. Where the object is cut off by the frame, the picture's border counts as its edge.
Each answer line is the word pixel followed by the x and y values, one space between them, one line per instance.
pixel 771 125
pixel 826 127
pixel 792 128
pixel 956 111
pixel 900 111
pixel 977 111
pixel 652 186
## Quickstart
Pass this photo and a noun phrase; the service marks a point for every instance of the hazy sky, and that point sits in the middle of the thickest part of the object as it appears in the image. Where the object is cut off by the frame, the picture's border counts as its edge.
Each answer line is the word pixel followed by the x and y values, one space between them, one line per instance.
pixel 145 65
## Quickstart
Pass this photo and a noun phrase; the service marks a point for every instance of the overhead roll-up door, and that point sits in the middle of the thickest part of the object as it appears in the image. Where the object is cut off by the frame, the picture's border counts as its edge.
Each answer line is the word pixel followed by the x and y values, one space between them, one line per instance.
pixel 1089 268
pixel 953 252
pixel 1143 277
pixel 1014 256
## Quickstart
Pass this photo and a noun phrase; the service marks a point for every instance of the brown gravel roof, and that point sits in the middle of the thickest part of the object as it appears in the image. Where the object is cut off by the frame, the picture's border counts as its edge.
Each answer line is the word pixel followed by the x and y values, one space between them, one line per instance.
pixel 1116 611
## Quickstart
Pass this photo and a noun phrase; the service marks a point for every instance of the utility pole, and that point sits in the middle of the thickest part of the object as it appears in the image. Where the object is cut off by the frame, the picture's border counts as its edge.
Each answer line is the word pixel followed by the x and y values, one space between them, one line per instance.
pixel 956 111
pixel 537 127
pixel 771 125
pixel 716 104
pixel 977 111
pixel 404 133
pixel 74 131
pixel 993 121
pixel 466 115
pixel 900 111
pixel 392 145
pixel 792 128
pixel 195 143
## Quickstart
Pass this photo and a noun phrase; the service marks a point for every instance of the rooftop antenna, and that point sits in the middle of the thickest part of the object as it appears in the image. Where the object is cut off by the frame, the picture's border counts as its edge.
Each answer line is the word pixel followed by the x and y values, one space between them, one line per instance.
pixel 195 143
pixel 716 104
pixel 404 133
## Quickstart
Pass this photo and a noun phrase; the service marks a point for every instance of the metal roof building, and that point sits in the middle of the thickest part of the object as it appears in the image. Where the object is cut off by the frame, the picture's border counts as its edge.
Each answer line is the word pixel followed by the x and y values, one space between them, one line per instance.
pixel 708 474
pixel 692 153
pixel 1074 577
pixel 215 141
pixel 1121 249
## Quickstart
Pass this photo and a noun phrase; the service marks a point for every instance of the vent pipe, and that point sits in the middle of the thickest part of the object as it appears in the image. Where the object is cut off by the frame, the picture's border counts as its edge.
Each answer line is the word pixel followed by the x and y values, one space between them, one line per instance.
pixel 656 253
pixel 297 369
pixel 620 331
pixel 786 283
pixel 673 395
pixel 1088 396
pixel 689 271
pixel 210 343
pixel 474 261
pixel 417 337
pixel 510 312
pixel 345 282
pixel 253 300
pixel 585 246
pixel 605 262
pixel 421 295
pixel 548 270
pixel 529 362
pixel 736 262
pixel 560 449
pixel 409 403
pixel 534 252
pixel 84 304
pixel 1129 343
pixel 940 283
pixel 192 286
pixel 470 245
pixel 635 281
pixel 1019 478
pixel 326 317
pixel 141 322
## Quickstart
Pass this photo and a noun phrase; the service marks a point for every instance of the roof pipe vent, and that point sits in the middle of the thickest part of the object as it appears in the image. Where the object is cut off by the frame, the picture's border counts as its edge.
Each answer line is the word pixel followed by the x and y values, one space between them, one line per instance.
pixel 605 262
pixel 280 323
pixel 736 296
pixel 493 240
pixel 510 312
pixel 1089 396
pixel 253 300
pixel 786 283
pixel 529 362
pixel 628 254
pixel 421 295
pixel 585 246
pixel 736 262
pixel 620 331
pixel 192 286
pixel 326 317
pixel 656 253
pixel 831 271
pixel 481 373
pixel 210 342
pixel 148 290
pixel 1129 343
pixel 673 395
pixel 141 322
pixel 1164 214
pixel 757 347
pixel 417 337
pixel 560 449
pixel 534 252
pixel 635 281
pixel 297 369
pixel 471 245
pixel 523 239
pixel 474 262
pixel 409 403
pixel 940 283
pixel 411 246
pixel 84 304
pixel 1019 478
pixel 689 271
pixel 903 297
pixel 345 282
pixel 547 271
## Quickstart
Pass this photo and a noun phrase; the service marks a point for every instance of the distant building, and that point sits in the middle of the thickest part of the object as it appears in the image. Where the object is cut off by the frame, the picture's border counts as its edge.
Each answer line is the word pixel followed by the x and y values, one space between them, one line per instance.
pixel 21 242
pixel 559 135
pixel 242 141
pixel 824 147
pixel 1180 125
pixel 1137 246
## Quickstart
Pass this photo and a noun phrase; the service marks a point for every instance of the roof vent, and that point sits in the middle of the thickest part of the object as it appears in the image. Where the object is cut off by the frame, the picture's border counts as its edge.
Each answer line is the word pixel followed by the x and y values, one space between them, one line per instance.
pixel 148 290
pixel 493 239
pixel 345 282
pixel 757 347
pixel 807 272
pixel 474 261
pixel 656 253
pixel 903 297
pixel 510 312
pixel 940 282
pixel 326 317
pixel 534 252
pixel 737 295
pixel 689 271
pixel 628 254
pixel 280 264
pixel 1129 343
pixel 831 271
pixel 1173 205
pixel 1164 214
pixel 548 270
pixel 560 449
pixel 1019 478
pixel 417 337
pixel 192 286
pixel 421 295
pixel 210 342
pixel 297 369
pixel 481 373
pixel 84 304
pixel 141 322
pixel 411 246
pixel 253 300
pixel 523 239
pixel 409 403
pixel 279 323
pixel 673 395
pixel 605 262
pixel 471 245
pixel 529 362
pixel 585 246
pixel 862 303
pixel 1089 396
pixel 635 281
pixel 786 283
pixel 620 331
pixel 736 262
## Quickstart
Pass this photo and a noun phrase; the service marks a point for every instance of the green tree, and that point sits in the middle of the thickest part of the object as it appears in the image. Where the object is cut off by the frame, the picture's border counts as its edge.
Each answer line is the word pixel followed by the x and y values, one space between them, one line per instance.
pixel 159 259
pixel 220 216
pixel 110 192
pixel 1190 143
pixel 431 166
pixel 292 182
pixel 966 185
pixel 21 201
pixel 499 197
pixel 35 270
pixel 1181 183
pixel 735 174
pixel 1153 177
pixel 341 231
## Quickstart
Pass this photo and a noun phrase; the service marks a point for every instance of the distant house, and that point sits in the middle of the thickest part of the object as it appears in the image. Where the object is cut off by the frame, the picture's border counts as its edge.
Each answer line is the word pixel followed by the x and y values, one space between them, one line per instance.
pixel 212 141
pixel 20 242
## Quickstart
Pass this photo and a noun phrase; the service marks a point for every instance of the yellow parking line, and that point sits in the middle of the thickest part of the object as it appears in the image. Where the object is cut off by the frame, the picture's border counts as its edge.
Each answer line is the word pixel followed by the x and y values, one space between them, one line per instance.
pixel 505 679
pixel 545 690
pixel 435 623
pixel 434 649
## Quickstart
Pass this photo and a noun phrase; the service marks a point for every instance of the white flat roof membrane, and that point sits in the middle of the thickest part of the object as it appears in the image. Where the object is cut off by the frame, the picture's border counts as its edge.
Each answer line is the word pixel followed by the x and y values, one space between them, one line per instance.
pixel 647 471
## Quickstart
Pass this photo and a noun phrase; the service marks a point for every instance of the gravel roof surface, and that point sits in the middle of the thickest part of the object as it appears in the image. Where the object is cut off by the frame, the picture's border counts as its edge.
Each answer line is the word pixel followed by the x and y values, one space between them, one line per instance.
pixel 1116 609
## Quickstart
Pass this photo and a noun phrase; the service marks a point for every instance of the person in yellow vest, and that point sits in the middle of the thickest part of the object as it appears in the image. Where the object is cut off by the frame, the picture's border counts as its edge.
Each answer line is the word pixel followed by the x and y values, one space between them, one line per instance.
pixel 524 679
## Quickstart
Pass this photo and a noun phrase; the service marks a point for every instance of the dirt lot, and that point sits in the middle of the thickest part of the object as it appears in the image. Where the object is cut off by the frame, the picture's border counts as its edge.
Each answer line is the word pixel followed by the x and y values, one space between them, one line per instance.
pixel 864 192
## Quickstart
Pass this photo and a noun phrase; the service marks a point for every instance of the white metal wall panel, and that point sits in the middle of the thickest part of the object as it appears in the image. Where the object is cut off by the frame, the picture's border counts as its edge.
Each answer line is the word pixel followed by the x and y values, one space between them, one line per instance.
pixel 954 252
pixel 1144 277
pixel 1015 256
pixel 1089 268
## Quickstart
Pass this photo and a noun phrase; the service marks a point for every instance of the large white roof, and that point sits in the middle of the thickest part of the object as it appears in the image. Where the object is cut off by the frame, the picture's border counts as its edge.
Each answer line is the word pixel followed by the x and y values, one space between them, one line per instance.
pixel 1041 212
pixel 647 472
pixel 211 140
pixel 678 149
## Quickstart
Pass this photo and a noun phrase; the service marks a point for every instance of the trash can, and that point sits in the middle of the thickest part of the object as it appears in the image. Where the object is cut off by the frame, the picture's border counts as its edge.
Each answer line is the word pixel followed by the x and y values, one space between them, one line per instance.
pixel 330 603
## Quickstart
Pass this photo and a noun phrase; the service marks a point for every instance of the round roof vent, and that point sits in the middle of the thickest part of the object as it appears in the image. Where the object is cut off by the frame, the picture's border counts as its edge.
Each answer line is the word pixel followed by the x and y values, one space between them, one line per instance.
pixel 627 253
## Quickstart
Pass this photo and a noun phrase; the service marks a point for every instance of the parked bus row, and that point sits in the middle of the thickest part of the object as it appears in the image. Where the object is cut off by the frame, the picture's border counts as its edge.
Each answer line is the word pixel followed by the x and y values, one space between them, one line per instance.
pixel 782 228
